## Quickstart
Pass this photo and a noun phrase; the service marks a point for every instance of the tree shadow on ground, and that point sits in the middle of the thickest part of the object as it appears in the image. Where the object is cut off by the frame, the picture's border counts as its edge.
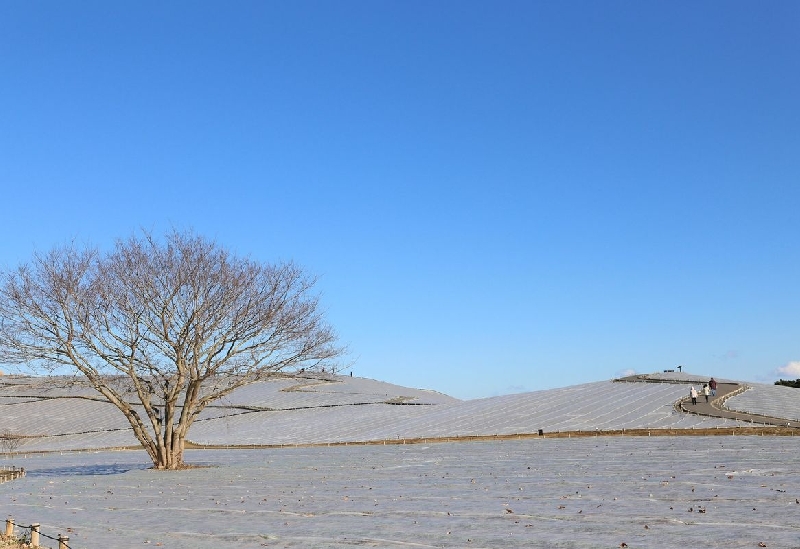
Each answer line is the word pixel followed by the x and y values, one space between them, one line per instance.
pixel 88 470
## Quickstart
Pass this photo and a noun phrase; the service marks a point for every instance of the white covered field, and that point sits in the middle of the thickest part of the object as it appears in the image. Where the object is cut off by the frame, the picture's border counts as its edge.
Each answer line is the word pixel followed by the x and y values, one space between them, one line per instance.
pixel 597 492
pixel 55 415
pixel 722 491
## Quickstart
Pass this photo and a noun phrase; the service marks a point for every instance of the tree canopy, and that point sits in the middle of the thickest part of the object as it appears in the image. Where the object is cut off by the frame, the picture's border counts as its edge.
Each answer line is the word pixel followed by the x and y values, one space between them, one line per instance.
pixel 789 383
pixel 162 328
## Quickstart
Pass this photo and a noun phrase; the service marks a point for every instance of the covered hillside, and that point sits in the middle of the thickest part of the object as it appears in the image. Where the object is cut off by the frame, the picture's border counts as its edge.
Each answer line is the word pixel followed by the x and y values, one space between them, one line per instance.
pixel 51 414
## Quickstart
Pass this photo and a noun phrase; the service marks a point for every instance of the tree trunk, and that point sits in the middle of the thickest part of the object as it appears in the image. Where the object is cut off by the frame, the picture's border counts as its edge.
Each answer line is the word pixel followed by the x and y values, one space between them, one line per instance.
pixel 170 455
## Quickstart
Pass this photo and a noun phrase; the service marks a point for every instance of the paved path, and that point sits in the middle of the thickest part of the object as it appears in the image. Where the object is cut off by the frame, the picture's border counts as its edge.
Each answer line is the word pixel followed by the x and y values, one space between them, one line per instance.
pixel 715 407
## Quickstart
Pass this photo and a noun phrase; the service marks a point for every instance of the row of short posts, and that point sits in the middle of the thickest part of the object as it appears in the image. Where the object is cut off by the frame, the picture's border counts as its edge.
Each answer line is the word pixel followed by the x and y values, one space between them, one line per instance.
pixel 11 474
pixel 62 540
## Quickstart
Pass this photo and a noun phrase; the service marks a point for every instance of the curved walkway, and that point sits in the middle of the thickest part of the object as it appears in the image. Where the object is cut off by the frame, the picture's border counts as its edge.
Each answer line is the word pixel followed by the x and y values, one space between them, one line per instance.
pixel 715 407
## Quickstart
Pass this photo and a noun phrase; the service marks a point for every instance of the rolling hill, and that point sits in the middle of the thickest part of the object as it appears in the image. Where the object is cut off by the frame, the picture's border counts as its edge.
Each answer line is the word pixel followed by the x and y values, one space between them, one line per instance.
pixel 59 414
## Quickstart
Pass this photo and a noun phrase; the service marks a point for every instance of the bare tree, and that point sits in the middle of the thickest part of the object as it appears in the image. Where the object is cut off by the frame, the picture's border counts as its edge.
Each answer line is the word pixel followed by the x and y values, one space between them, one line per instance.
pixel 10 441
pixel 175 324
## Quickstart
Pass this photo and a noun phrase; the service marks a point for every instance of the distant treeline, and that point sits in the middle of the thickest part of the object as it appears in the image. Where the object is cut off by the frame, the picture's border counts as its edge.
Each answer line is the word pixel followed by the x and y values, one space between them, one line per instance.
pixel 789 383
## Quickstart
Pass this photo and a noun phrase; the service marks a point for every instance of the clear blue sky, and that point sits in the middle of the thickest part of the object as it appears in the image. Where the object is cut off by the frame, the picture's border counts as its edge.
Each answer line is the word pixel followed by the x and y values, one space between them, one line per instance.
pixel 498 196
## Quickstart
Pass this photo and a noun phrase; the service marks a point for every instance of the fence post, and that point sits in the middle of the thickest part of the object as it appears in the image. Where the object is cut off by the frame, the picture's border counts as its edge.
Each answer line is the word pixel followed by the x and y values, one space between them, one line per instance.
pixel 35 534
pixel 62 542
pixel 10 526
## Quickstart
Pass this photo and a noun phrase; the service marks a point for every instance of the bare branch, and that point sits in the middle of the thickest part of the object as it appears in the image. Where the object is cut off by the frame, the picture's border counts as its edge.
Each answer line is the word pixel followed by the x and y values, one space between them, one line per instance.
pixel 184 320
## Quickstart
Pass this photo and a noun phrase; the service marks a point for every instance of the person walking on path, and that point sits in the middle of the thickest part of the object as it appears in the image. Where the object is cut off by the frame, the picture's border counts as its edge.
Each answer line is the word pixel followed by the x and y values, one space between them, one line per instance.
pixel 713 386
pixel 706 391
pixel 693 394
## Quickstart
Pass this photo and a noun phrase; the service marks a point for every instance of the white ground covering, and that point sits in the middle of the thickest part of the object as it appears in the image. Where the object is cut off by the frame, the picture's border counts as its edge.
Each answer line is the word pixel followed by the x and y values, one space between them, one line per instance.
pixel 61 415
pixel 339 390
pixel 577 493
pixel 685 377
pixel 47 387
pixel 768 400
pixel 93 440
pixel 351 409
pixel 603 405
pixel 317 425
